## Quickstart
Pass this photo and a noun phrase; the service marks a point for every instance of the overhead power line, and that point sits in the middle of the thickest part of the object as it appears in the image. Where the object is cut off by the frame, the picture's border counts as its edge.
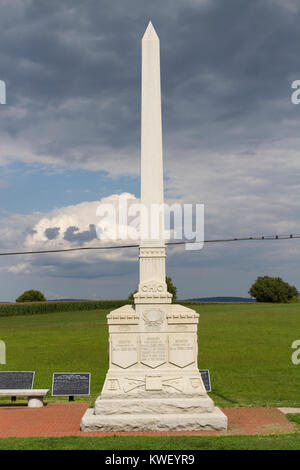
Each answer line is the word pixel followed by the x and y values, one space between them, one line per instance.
pixel 182 242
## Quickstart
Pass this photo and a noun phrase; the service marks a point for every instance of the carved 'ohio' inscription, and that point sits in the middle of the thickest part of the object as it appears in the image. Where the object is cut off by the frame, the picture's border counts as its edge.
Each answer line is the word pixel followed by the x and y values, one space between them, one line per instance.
pixel 124 350
pixel 153 350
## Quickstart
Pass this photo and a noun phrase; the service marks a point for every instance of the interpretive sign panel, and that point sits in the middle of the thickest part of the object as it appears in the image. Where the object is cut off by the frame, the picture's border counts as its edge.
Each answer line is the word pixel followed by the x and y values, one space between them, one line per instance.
pixel 206 379
pixel 16 380
pixel 71 384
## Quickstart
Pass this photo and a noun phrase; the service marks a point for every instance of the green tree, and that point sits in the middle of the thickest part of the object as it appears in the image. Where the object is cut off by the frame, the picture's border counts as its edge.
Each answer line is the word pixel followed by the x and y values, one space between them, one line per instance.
pixel 130 297
pixel 273 289
pixel 170 286
pixel 31 296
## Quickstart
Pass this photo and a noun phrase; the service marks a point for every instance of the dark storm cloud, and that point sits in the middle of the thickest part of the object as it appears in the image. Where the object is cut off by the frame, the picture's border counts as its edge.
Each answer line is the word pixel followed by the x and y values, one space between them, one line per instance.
pixel 72 234
pixel 29 231
pixel 52 233
pixel 84 266
pixel 225 67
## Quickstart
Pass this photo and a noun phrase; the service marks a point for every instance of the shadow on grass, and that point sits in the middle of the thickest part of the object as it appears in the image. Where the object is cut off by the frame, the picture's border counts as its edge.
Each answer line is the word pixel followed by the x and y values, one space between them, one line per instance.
pixel 13 405
pixel 229 400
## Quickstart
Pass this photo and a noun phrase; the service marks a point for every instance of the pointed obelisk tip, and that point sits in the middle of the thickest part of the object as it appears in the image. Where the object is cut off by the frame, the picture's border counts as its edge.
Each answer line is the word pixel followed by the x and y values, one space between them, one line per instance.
pixel 150 33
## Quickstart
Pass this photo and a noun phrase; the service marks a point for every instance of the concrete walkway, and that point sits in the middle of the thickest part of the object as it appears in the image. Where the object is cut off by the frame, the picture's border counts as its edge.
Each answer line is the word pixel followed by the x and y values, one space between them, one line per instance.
pixel 289 410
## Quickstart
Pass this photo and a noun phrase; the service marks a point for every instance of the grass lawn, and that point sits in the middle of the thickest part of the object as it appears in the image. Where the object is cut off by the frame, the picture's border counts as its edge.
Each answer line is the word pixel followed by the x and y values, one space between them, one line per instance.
pixel 277 442
pixel 247 348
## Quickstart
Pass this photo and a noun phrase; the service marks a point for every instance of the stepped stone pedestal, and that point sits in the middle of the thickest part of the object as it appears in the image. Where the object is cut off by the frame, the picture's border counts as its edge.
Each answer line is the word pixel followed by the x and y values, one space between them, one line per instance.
pixel 153 382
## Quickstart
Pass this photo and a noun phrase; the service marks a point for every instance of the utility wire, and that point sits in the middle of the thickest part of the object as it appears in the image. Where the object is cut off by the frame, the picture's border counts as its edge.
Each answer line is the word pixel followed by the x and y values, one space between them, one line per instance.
pixel 182 242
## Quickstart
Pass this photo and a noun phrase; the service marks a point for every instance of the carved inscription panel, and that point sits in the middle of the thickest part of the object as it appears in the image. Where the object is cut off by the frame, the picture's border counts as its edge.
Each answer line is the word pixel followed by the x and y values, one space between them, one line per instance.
pixel 153 349
pixel 182 349
pixel 124 350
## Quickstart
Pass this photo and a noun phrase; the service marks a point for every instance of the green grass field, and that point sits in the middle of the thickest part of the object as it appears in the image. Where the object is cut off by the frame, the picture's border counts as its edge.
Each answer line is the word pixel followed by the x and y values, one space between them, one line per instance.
pixel 247 348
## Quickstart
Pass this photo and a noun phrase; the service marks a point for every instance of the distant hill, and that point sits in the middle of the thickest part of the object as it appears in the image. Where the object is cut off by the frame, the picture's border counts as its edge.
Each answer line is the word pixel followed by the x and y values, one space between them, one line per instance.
pixel 68 300
pixel 48 300
pixel 223 299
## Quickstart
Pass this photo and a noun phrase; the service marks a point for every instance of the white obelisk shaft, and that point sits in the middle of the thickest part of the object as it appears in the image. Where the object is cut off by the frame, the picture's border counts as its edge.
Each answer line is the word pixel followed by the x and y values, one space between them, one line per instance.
pixel 152 286
pixel 151 134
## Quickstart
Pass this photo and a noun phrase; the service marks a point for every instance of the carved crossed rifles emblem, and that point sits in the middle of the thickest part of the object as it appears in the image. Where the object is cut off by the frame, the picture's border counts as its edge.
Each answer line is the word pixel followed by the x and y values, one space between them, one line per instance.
pixel 132 383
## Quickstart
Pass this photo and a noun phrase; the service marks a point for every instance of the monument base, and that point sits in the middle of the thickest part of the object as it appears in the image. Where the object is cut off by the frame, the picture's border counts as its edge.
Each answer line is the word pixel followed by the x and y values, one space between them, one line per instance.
pixel 153 382
pixel 213 420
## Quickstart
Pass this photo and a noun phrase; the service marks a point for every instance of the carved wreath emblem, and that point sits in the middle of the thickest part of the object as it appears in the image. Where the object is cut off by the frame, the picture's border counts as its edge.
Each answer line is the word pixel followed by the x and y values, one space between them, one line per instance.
pixel 153 317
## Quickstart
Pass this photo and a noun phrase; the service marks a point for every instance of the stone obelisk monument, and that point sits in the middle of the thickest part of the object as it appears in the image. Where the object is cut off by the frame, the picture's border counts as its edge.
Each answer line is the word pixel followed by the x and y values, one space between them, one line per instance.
pixel 153 382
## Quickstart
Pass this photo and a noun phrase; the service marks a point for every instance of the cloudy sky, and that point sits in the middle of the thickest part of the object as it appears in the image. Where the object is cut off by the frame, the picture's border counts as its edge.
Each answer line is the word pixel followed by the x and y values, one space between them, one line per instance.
pixel 70 138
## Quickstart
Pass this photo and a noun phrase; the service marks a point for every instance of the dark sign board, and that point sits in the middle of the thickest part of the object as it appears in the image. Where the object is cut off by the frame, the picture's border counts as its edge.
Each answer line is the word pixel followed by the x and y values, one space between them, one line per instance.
pixel 71 383
pixel 206 379
pixel 16 380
